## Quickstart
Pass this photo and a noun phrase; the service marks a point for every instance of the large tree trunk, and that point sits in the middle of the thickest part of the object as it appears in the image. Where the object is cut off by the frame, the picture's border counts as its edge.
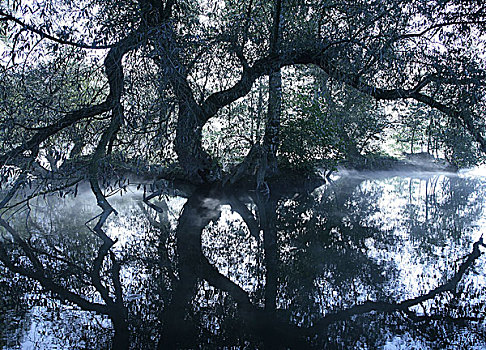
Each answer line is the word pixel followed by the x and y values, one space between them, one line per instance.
pixel 195 161
pixel 121 339
pixel 261 160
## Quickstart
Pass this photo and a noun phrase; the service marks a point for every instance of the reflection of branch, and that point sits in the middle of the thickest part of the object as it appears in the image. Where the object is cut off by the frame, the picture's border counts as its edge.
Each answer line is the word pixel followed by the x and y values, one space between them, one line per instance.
pixel 48 284
pixel 215 278
pixel 387 307
pixel 115 277
pixel 118 311
pixel 74 266
pixel 107 209
pixel 164 229
pixel 114 308
pixel 196 215
pixel 11 193
pixel 25 247
pixel 41 275
pixel 247 216
pixel 158 225
pixel 257 319
pixel 146 200
pixel 193 264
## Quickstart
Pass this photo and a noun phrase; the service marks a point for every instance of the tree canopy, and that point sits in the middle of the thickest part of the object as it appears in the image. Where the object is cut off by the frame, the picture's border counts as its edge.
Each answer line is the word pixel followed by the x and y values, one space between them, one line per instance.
pixel 142 79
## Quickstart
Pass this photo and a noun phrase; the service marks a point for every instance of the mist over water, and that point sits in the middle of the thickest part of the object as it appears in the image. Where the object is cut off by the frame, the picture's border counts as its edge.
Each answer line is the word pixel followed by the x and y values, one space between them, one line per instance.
pixel 334 268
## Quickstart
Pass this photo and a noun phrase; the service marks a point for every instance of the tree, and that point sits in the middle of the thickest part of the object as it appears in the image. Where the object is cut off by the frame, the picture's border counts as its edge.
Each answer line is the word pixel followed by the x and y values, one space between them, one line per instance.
pixel 198 58
pixel 426 130
pixel 93 90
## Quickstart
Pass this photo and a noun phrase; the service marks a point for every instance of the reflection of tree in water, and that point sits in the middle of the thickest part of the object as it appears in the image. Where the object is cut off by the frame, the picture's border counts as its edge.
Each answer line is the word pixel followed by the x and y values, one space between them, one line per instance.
pixel 444 211
pixel 294 271
pixel 324 247
pixel 47 243
pixel 13 323
pixel 340 254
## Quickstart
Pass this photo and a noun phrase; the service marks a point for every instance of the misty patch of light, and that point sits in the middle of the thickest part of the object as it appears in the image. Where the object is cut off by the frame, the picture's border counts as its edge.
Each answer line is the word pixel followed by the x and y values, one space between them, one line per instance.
pixel 479 171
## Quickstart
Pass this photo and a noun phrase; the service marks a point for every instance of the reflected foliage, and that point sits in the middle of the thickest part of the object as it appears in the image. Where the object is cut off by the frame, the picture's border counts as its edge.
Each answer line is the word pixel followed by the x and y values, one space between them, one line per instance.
pixel 361 262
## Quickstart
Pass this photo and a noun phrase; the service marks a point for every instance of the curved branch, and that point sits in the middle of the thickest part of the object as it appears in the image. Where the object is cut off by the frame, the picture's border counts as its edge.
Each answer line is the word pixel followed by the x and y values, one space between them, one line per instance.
pixel 218 100
pixel 318 56
pixel 48 131
pixel 251 223
pixel 388 307
pixel 114 73
pixel 55 288
pixel 439 26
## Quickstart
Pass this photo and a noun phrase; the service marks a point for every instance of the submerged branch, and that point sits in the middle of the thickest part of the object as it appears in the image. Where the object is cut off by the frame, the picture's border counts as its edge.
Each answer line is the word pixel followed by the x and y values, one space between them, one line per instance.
pixel 239 207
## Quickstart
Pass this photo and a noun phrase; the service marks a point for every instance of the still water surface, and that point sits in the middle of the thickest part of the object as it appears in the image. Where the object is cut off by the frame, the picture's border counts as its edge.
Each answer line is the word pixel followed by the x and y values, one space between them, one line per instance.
pixel 367 261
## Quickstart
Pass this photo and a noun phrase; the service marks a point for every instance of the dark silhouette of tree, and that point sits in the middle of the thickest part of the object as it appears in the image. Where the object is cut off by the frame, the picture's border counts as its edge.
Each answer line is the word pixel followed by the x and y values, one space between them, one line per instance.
pixel 305 256
pixel 171 67
pixel 100 92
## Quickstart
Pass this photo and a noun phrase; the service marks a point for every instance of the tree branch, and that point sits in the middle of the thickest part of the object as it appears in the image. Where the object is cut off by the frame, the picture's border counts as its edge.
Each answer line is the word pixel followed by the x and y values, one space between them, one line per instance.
pixel 114 73
pixel 383 306
pixel 318 56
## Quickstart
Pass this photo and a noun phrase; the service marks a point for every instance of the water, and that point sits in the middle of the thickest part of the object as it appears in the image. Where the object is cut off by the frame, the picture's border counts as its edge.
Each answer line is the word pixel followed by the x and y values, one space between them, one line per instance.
pixel 367 261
